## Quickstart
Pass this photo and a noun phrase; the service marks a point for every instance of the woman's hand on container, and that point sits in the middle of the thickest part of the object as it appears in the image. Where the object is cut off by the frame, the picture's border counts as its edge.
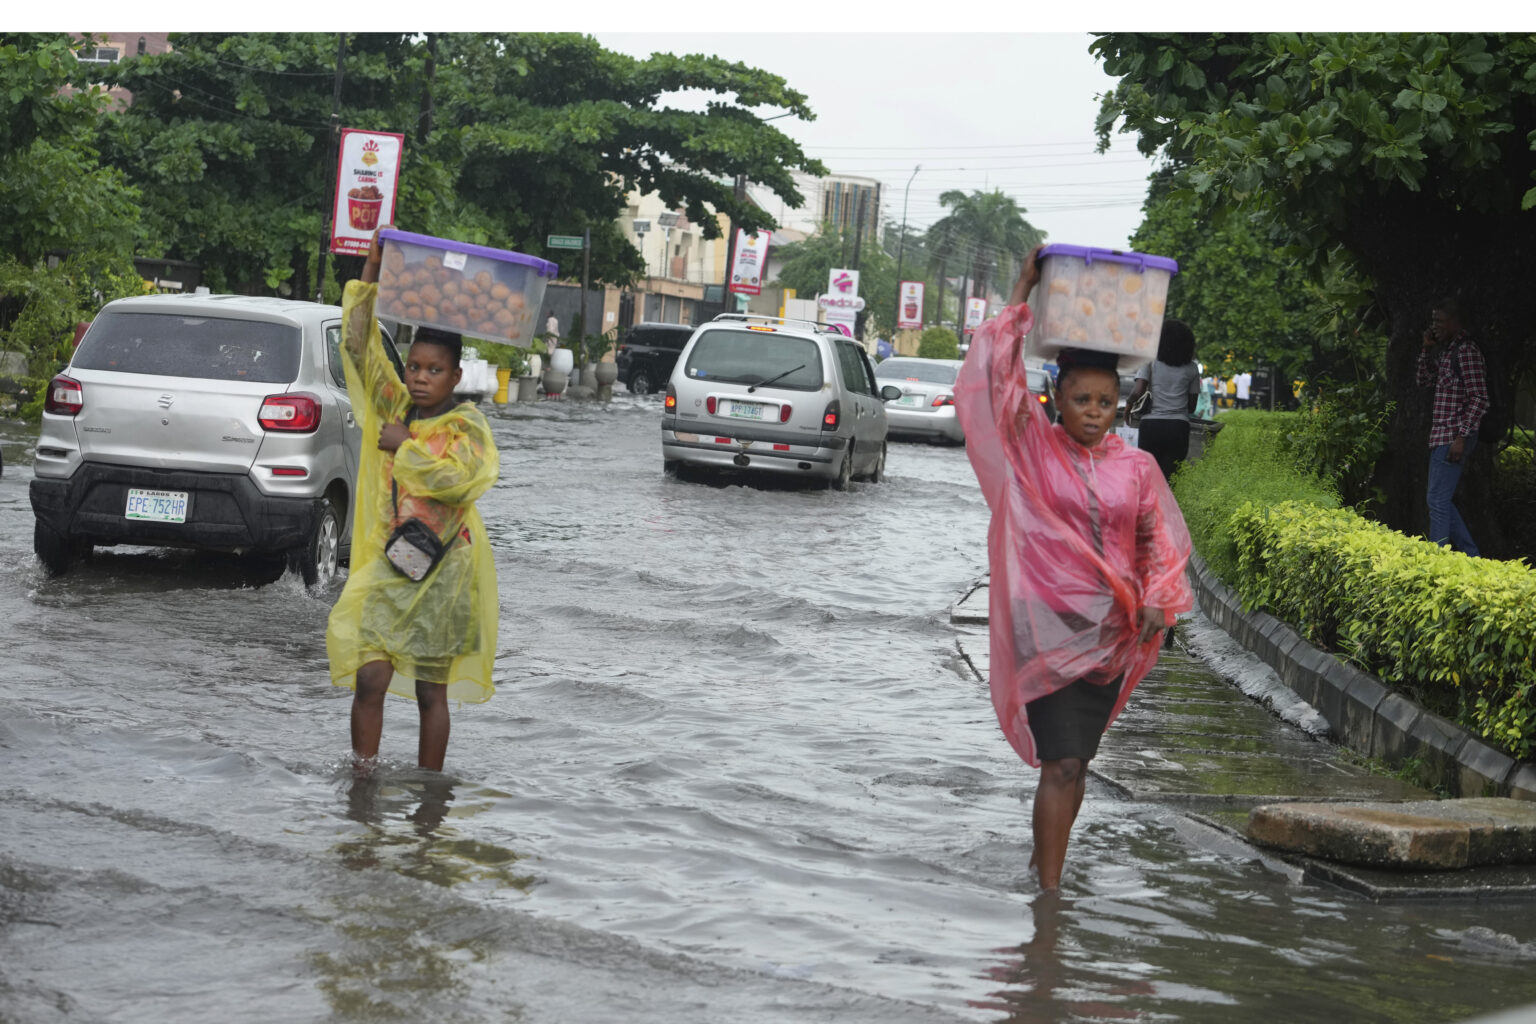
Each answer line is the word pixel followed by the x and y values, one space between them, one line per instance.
pixel 1029 276
pixel 1152 622
pixel 393 435
pixel 371 264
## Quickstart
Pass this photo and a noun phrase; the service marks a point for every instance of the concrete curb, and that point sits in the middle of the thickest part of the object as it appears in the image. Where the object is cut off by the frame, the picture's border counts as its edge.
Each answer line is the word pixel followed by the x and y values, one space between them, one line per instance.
pixel 1363 713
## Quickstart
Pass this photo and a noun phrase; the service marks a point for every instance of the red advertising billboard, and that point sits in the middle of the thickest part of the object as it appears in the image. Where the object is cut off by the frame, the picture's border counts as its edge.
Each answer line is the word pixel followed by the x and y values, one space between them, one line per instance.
pixel 367 183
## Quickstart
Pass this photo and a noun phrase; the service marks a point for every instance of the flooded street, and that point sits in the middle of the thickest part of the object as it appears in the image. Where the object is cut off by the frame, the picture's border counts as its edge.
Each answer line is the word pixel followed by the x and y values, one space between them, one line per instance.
pixel 734 770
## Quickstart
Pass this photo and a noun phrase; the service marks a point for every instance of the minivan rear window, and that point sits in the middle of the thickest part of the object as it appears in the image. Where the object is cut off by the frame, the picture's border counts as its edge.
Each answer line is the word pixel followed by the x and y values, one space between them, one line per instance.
pixel 754 357
pixel 174 345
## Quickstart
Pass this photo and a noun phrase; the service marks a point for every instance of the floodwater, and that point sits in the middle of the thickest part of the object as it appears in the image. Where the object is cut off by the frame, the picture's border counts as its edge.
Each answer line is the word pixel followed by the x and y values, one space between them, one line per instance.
pixel 733 771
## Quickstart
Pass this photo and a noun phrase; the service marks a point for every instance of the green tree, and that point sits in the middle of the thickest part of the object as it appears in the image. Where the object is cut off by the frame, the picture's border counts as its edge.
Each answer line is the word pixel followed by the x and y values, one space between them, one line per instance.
pixel 985 232
pixel 509 138
pixel 1250 302
pixel 58 199
pixel 1412 153
pixel 807 265
pixel 938 343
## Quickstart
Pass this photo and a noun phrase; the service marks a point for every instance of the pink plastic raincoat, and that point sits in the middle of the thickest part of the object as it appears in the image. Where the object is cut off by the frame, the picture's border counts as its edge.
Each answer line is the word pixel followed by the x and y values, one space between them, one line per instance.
pixel 1081 538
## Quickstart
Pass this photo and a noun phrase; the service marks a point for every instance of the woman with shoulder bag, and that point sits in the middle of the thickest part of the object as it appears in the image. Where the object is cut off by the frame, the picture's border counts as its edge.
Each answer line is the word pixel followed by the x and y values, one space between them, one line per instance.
pixel 1167 390
pixel 417 617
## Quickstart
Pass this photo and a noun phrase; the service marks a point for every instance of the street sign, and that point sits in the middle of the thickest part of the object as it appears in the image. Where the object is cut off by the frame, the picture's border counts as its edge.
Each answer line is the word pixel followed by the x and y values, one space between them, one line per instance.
pixel 564 242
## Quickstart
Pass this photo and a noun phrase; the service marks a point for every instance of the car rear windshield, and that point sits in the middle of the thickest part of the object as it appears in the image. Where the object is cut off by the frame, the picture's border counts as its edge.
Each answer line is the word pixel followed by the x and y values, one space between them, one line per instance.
pixel 674 340
pixel 906 369
pixel 172 345
pixel 756 357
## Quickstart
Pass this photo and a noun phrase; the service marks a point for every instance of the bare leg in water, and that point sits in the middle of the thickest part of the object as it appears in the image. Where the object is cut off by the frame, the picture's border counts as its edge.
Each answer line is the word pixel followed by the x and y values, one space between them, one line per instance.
pixel 368 708
pixel 1058 798
pixel 432 746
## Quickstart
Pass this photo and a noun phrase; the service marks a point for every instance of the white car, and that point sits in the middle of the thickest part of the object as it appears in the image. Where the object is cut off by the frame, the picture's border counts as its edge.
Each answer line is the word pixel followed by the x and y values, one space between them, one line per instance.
pixel 926 409
pixel 765 394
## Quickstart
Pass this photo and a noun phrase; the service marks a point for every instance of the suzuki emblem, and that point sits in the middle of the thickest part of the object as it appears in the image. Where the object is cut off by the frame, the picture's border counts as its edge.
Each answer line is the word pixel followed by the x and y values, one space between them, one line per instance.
pixel 166 400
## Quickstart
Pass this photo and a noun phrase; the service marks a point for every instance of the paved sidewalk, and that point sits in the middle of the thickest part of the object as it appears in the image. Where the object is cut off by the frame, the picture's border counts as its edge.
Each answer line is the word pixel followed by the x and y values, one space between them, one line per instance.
pixel 1191 738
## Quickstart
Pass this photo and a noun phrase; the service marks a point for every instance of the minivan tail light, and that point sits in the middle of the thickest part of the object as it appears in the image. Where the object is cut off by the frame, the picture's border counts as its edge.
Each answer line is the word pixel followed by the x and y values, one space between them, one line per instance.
pixel 784 411
pixel 65 396
pixel 939 400
pixel 297 413
pixel 832 416
pixel 670 402
pixel 709 404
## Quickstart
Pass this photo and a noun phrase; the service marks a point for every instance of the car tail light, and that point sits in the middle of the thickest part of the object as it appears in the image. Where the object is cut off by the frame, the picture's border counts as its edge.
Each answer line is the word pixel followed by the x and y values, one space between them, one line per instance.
pixel 670 402
pixel 65 397
pixel 832 416
pixel 943 400
pixel 297 413
pixel 1042 399
pixel 709 405
pixel 784 411
pixel 289 471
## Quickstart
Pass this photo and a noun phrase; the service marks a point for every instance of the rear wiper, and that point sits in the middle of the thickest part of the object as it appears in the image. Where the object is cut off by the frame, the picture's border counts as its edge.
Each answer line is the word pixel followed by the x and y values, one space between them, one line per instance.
pixel 770 380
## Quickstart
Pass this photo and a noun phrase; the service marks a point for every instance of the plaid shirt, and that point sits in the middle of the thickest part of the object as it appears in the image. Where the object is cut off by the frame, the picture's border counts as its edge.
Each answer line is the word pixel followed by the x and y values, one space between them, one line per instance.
pixel 1461 389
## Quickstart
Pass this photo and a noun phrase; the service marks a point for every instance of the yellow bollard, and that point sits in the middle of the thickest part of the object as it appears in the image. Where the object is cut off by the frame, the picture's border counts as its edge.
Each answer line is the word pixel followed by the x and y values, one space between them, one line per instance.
pixel 503 379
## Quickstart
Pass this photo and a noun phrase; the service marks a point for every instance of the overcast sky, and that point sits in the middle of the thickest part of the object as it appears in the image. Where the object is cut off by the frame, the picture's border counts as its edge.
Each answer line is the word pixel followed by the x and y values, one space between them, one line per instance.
pixel 1013 111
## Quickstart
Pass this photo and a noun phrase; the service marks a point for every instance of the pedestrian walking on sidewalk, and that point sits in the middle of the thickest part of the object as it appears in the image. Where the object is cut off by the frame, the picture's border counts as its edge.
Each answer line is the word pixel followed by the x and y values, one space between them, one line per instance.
pixel 1087 551
pixel 418 615
pixel 1173 378
pixel 1453 365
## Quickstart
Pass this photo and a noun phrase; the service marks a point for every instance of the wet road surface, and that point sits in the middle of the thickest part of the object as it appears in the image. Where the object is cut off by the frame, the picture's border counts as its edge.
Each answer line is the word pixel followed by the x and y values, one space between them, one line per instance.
pixel 735 770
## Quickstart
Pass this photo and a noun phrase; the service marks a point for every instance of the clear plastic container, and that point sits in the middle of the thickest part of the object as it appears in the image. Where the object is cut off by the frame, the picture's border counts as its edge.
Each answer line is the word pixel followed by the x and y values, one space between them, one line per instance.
pixel 1108 300
pixel 473 290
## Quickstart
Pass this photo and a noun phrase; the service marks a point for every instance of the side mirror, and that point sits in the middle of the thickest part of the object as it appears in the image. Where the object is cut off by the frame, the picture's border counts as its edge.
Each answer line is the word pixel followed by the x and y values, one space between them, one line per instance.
pixel 889 393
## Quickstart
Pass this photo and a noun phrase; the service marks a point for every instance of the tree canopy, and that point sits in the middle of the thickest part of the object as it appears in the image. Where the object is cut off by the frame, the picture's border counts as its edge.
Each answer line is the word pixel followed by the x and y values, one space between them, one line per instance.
pixel 1412 153
pixel 509 138
pixel 985 233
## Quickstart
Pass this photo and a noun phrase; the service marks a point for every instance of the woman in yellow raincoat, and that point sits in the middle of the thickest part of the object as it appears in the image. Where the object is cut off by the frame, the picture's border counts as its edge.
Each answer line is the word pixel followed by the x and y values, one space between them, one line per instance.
pixel 428 458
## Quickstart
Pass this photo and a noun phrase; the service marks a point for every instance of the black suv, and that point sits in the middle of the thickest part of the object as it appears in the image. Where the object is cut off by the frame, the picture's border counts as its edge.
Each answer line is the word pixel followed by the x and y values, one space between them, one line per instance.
pixel 647 353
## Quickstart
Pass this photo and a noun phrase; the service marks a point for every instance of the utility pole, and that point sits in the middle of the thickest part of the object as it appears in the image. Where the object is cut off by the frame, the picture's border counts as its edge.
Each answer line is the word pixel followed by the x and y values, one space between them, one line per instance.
pixel 902 245
pixel 586 273
pixel 943 273
pixel 858 249
pixel 330 207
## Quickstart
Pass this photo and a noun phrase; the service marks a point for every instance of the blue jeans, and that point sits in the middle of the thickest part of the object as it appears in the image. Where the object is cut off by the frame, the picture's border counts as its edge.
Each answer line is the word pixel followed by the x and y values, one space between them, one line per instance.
pixel 1445 525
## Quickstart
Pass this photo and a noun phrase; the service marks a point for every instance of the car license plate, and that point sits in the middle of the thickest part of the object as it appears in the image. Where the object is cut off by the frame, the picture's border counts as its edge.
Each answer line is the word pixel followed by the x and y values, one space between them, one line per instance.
pixel 910 400
pixel 745 411
pixel 156 506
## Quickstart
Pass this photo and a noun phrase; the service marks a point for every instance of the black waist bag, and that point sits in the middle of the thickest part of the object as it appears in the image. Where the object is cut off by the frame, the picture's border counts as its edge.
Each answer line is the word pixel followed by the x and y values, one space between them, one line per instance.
pixel 413 549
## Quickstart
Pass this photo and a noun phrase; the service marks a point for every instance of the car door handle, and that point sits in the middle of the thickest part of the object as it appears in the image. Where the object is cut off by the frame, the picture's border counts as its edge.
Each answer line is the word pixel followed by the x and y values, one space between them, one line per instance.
pixel 351 421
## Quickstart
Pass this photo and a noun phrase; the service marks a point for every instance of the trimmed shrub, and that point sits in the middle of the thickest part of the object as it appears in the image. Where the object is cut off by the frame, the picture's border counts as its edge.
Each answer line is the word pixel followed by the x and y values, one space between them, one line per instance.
pixel 1248 461
pixel 938 343
pixel 1456 633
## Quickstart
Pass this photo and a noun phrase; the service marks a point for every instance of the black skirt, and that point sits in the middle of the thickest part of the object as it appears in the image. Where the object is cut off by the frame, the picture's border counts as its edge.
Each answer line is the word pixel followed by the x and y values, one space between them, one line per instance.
pixel 1070 721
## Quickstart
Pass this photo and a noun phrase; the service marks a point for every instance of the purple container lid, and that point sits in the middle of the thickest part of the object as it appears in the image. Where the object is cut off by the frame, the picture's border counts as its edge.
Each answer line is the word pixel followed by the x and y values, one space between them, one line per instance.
pixel 542 267
pixel 1140 260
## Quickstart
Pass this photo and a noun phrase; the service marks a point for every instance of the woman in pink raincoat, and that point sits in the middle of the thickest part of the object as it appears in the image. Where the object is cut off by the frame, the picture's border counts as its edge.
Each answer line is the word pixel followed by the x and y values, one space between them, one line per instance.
pixel 1087 551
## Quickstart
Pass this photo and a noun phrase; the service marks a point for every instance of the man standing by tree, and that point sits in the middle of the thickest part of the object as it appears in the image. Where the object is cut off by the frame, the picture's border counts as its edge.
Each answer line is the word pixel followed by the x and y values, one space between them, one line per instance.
pixel 1453 365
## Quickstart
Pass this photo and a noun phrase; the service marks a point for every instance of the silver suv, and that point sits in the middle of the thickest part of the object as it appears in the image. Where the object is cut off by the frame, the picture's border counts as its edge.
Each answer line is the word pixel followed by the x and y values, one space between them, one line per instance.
pixel 218 422
pixel 780 396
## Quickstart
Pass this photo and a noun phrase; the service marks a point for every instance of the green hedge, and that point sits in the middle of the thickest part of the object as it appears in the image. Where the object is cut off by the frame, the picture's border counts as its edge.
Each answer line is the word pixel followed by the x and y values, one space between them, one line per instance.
pixel 1457 633
pixel 1248 461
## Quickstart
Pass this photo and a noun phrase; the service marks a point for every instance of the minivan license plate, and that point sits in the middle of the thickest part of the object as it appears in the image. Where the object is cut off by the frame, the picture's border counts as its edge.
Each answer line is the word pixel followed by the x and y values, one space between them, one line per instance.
pixel 746 411
pixel 156 506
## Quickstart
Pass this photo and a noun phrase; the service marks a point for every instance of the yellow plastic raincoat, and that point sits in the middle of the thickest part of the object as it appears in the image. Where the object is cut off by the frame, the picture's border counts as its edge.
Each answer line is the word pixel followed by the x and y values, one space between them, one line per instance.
pixel 443 629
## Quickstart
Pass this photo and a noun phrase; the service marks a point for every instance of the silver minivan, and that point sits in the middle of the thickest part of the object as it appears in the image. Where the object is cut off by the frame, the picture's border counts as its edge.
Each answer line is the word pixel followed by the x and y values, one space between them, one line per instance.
pixel 767 394
pixel 218 422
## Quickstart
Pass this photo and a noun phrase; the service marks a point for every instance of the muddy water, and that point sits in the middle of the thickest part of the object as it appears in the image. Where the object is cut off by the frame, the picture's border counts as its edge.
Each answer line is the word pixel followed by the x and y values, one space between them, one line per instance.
pixel 733 771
